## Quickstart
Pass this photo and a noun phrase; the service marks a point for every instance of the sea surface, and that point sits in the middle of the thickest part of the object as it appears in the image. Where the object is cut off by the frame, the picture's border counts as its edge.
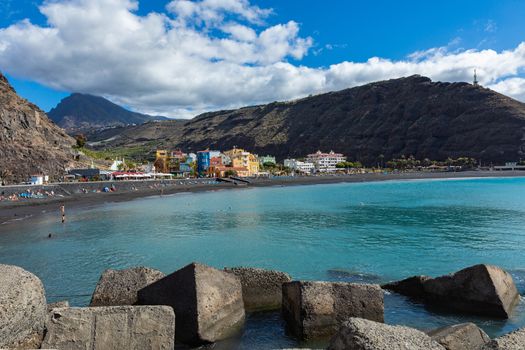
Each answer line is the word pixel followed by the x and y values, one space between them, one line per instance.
pixel 359 232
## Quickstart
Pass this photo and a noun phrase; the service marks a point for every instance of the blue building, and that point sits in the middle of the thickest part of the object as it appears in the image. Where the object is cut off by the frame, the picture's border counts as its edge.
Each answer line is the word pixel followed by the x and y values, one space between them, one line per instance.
pixel 203 162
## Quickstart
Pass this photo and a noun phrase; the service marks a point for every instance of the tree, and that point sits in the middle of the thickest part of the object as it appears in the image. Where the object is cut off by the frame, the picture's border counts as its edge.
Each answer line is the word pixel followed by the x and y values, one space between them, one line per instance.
pixel 348 165
pixel 382 160
pixel 81 140
pixel 230 172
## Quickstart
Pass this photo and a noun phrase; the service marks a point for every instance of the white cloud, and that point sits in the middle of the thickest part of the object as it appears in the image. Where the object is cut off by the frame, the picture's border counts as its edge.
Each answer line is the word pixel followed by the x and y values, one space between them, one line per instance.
pixel 209 54
pixel 512 87
pixel 212 12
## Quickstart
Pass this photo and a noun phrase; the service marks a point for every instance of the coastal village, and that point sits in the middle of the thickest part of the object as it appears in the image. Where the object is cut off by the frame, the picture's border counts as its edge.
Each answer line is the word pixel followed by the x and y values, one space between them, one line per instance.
pixel 236 166
pixel 236 162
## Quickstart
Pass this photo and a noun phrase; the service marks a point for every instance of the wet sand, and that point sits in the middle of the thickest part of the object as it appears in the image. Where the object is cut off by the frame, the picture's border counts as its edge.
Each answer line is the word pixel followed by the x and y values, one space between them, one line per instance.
pixel 10 212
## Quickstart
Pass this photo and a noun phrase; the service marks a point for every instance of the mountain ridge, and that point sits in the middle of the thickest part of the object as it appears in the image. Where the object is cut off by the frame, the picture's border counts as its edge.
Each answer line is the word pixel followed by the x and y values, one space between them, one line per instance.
pixel 404 116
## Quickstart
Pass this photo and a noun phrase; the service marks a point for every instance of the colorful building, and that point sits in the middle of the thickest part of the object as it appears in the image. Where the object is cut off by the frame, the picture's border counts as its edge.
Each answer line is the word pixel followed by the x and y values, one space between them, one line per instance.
pixel 224 171
pixel 205 159
pixel 203 162
pixel 178 155
pixel 243 159
pixel 174 162
pixel 162 161
pixel 267 160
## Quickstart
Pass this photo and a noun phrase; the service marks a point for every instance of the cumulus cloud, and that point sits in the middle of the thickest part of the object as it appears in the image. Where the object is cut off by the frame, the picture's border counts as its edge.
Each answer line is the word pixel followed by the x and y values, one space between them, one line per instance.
pixel 209 54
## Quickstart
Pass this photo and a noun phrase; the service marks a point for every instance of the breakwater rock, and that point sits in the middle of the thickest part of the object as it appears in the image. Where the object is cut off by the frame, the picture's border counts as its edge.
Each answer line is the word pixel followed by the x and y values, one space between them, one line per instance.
pixel 120 287
pixel 464 336
pixel 198 305
pixel 208 302
pixel 317 309
pixel 512 341
pixel 115 327
pixel 23 308
pixel 261 289
pixel 361 334
pixel 480 289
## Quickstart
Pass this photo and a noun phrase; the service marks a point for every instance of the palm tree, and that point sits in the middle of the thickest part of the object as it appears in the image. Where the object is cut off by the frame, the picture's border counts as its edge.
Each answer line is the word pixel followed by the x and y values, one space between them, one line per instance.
pixel 381 160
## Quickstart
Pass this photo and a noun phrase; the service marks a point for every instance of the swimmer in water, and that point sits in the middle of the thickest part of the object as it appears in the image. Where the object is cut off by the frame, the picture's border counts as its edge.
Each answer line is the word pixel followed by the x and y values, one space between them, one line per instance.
pixel 63 211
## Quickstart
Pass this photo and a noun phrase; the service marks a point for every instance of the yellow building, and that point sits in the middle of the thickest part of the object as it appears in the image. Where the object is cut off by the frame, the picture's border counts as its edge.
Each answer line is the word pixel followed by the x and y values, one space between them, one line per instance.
pixel 162 161
pixel 243 159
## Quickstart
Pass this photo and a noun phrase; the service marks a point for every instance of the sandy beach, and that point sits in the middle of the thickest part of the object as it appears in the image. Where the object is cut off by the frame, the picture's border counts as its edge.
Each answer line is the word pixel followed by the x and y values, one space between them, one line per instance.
pixel 11 212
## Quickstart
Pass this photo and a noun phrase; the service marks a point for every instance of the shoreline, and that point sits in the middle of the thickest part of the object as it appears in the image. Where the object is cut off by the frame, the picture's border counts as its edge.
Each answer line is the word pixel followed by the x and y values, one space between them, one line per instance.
pixel 12 212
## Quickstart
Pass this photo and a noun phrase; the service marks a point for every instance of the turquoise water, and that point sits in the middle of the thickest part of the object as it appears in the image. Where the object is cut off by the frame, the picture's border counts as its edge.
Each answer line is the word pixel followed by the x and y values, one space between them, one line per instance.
pixel 370 232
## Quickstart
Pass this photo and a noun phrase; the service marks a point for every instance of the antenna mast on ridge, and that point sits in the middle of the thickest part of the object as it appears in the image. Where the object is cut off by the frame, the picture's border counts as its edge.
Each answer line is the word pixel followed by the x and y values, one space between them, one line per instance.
pixel 475 78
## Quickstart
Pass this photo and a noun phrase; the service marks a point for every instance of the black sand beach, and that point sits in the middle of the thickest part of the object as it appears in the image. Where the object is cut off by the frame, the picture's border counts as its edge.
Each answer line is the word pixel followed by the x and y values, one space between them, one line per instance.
pixel 11 211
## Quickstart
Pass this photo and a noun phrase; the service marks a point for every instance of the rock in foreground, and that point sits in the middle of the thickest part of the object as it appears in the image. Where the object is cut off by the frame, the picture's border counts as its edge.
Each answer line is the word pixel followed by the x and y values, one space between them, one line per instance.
pixel 261 289
pixel 115 327
pixel 512 341
pixel 57 305
pixel 480 289
pixel 317 309
pixel 208 302
pixel 465 336
pixel 22 308
pixel 360 334
pixel 120 287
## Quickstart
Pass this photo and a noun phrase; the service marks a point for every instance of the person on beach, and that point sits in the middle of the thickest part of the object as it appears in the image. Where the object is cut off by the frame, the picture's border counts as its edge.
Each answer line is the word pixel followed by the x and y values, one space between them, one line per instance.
pixel 63 212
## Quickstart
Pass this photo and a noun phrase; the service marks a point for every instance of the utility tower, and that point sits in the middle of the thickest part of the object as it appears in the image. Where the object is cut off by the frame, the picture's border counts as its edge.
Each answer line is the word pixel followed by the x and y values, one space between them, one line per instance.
pixel 475 83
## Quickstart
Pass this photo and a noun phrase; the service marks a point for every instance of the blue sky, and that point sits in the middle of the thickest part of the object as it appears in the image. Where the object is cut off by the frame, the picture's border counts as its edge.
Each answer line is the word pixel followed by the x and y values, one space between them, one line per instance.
pixel 323 34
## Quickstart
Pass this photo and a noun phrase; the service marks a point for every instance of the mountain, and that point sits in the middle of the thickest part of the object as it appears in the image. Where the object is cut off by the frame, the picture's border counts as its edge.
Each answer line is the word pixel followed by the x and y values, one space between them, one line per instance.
pixel 82 112
pixel 29 142
pixel 406 116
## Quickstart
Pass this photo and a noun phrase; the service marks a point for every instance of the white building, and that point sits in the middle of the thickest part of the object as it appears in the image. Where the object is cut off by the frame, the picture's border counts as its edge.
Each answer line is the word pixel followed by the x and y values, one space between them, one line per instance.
pixel 116 165
pixel 191 157
pixel 325 162
pixel 296 165
pixel 39 179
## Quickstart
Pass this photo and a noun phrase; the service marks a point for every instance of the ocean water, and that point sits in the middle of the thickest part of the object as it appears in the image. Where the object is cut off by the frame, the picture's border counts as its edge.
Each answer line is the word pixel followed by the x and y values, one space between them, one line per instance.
pixel 364 232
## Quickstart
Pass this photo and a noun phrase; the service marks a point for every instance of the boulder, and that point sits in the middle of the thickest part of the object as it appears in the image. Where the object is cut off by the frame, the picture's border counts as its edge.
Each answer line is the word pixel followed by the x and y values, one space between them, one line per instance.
pixel 113 327
pixel 120 287
pixel 208 302
pixel 261 289
pixel 317 309
pixel 57 305
pixel 481 289
pixel 512 341
pixel 412 286
pixel 22 308
pixel 464 336
pixel 361 334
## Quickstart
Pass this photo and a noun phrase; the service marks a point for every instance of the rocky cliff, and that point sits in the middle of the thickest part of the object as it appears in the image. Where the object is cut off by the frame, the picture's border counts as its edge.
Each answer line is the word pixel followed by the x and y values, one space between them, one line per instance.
pixel 407 116
pixel 29 142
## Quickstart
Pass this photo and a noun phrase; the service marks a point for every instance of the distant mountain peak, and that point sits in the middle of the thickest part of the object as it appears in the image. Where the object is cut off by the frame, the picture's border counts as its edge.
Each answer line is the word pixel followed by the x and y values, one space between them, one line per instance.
pixel 81 112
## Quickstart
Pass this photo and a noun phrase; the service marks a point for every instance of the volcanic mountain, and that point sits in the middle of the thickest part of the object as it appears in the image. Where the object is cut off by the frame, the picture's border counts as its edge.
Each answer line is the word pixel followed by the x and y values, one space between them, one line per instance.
pixel 29 142
pixel 83 113
pixel 386 119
